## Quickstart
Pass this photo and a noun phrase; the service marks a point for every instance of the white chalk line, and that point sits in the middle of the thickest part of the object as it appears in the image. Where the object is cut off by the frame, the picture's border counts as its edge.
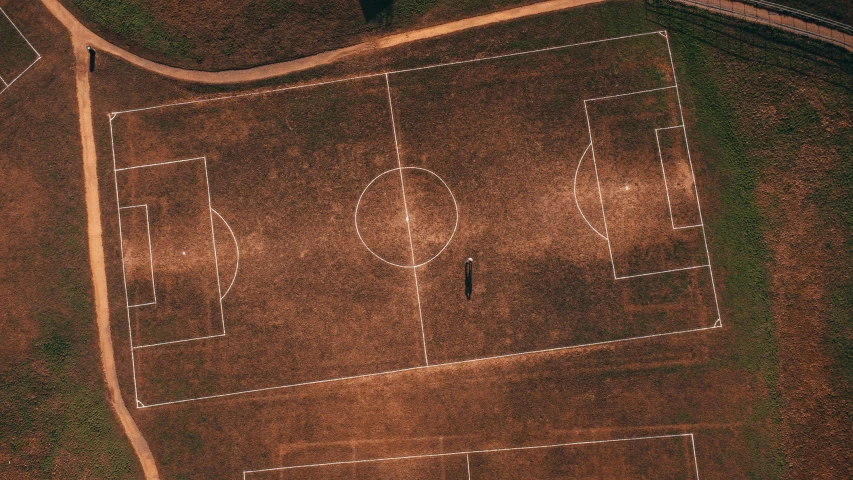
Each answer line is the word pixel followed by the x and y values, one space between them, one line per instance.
pixel 692 267
pixel 390 72
pixel 468 464
pixel 142 304
pixel 237 246
pixel 446 244
pixel 695 185
pixel 477 452
pixel 38 55
pixel 695 461
pixel 159 163
pixel 434 366
pixel 183 340
pixel 408 224
pixel 598 182
pixel 121 245
pixel 575 190
pixel 150 253
pixel 666 182
pixel 638 92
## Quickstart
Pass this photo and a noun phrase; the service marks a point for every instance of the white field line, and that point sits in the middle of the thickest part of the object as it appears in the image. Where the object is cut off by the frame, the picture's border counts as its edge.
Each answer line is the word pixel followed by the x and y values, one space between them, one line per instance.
pixel 150 255
pixel 141 304
pixel 121 244
pixel 575 190
pixel 471 452
pixel 433 366
pixel 213 237
pixel 160 163
pixel 38 55
pixel 604 215
pixel 183 340
pixel 695 461
pixel 386 172
pixel 665 183
pixel 237 246
pixel 695 187
pixel 608 97
pixel 4 83
pixel 408 225
pixel 598 182
pixel 468 465
pixel 21 34
pixel 23 72
pixel 390 72
pixel 692 267
pixel 210 213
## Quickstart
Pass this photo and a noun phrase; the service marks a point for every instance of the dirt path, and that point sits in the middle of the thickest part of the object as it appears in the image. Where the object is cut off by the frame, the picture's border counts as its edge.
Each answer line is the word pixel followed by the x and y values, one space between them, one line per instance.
pixel 96 259
pixel 278 69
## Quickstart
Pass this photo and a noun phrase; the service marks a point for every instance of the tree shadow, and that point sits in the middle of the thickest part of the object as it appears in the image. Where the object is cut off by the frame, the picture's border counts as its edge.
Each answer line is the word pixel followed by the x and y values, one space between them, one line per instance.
pixel 372 8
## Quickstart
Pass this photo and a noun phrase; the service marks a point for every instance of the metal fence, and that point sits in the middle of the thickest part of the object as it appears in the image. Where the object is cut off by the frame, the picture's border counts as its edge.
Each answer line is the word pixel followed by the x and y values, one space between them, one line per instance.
pixel 783 17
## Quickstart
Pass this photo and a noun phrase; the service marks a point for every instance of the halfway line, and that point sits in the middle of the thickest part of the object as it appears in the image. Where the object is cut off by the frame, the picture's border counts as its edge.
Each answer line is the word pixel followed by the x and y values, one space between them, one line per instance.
pixel 408 225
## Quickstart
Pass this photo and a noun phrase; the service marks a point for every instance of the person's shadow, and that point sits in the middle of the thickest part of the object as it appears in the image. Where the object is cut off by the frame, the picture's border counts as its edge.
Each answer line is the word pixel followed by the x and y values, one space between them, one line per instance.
pixel 372 8
pixel 469 278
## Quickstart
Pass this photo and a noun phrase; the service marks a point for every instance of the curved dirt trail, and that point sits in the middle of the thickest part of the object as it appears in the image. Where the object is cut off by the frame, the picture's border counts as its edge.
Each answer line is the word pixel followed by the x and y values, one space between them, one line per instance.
pixel 86 36
pixel 96 258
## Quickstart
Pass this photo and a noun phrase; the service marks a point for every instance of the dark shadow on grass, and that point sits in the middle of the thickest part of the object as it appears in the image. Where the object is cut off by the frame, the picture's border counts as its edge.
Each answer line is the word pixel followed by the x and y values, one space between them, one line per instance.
pixel 756 42
pixel 372 8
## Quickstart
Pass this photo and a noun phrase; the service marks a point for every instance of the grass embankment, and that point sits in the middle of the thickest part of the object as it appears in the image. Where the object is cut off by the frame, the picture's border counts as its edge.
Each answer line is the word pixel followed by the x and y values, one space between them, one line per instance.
pixel 135 22
pixel 788 130
pixel 55 421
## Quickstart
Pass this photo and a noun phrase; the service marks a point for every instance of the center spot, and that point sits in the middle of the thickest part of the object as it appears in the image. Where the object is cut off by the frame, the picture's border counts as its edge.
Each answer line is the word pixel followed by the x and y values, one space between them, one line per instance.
pixel 410 233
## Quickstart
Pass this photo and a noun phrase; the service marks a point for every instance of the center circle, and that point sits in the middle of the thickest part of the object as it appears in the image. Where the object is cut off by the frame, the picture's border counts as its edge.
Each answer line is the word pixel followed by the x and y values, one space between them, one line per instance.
pixel 406 216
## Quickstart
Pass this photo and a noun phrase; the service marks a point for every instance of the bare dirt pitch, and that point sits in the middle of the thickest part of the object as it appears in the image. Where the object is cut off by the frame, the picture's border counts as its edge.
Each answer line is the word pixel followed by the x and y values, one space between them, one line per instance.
pixel 316 233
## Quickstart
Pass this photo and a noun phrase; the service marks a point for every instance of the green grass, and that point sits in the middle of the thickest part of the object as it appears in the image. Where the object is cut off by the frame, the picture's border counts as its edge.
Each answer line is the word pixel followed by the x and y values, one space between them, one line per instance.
pixel 792 76
pixel 55 421
pixel 833 198
pixel 737 232
pixel 133 21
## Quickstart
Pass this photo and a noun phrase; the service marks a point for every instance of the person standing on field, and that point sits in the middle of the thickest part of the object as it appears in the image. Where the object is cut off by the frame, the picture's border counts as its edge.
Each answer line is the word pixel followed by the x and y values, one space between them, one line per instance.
pixel 469 280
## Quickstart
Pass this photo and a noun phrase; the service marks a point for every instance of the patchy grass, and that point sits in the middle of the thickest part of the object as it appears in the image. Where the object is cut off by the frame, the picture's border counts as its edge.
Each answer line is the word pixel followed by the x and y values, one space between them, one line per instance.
pixel 134 22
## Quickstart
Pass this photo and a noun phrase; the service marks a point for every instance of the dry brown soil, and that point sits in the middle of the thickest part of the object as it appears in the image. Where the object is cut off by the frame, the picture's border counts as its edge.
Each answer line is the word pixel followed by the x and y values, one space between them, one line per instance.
pixel 286 170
